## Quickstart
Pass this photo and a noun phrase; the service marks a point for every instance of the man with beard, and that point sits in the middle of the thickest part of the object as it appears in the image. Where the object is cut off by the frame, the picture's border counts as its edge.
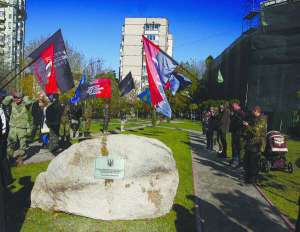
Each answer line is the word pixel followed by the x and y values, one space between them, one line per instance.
pixel 53 117
pixel 255 142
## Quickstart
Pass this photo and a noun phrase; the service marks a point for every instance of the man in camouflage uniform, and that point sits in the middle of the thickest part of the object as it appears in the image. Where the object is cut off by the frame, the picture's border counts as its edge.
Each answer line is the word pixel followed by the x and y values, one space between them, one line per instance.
pixel 19 125
pixel 255 142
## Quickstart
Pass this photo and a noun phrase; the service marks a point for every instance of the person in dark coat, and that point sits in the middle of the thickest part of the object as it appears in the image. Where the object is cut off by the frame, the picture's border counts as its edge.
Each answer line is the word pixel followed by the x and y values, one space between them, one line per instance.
pixel 2 203
pixel 7 178
pixel 212 120
pixel 75 116
pixel 236 128
pixel 223 128
pixel 37 117
pixel 53 117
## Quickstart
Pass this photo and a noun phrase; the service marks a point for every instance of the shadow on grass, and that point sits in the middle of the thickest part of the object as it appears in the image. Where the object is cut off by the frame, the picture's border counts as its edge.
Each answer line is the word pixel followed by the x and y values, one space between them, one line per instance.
pixel 269 182
pixel 17 204
pixel 297 163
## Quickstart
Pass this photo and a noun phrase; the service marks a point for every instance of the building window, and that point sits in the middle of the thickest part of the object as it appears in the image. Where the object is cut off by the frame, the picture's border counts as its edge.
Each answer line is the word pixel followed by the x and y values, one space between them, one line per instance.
pixel 152 27
pixel 2 13
pixel 152 37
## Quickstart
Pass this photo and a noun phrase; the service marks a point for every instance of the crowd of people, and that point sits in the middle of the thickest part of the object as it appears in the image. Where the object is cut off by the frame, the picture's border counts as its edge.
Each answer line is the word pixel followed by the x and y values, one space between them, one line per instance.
pixel 46 119
pixel 248 135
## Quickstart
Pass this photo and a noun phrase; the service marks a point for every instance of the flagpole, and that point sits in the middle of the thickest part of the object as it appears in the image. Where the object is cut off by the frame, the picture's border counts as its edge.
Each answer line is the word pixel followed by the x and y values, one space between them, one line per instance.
pixel 16 75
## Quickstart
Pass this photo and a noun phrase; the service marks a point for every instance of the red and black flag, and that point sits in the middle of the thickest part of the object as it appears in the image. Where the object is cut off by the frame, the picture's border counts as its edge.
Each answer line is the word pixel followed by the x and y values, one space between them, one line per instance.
pixel 51 65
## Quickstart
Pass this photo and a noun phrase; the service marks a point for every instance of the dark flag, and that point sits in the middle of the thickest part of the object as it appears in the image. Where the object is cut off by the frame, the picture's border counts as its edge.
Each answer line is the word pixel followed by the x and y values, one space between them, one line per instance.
pixel 51 65
pixel 126 85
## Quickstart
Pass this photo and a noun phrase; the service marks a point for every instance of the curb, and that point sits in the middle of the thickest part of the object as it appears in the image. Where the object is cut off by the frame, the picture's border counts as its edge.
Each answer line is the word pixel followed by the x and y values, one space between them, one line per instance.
pixel 198 218
pixel 288 223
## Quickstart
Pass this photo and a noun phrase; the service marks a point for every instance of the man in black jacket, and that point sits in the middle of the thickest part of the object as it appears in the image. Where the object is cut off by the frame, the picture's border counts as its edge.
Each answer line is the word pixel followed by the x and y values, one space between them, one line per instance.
pixel 4 164
pixel 53 117
pixel 236 127
pixel 223 128
pixel 37 117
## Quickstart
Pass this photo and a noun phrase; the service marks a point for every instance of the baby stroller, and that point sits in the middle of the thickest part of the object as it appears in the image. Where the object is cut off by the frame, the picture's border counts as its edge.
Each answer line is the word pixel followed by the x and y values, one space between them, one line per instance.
pixel 275 153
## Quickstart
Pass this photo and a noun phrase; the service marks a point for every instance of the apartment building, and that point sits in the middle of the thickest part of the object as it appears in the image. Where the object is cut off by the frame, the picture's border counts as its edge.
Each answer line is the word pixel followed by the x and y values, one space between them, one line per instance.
pixel 131 51
pixel 12 31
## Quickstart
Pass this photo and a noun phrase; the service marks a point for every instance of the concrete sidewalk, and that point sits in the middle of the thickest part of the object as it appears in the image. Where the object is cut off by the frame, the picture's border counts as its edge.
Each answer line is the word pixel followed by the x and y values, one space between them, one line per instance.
pixel 226 204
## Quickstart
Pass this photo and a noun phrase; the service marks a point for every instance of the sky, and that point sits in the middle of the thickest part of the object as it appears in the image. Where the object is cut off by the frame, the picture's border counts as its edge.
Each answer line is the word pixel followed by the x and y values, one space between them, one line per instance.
pixel 200 28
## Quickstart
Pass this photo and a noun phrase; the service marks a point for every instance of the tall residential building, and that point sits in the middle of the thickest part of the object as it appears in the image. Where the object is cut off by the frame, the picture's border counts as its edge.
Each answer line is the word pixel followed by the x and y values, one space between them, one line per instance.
pixel 12 31
pixel 132 53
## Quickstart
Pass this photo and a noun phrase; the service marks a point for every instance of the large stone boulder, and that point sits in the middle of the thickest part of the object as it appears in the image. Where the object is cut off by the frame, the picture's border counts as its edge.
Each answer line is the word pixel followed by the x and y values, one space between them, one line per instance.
pixel 146 191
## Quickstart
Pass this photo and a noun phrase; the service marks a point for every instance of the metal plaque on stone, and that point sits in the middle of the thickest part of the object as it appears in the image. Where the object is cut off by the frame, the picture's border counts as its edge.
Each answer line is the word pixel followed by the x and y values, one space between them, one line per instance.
pixel 109 167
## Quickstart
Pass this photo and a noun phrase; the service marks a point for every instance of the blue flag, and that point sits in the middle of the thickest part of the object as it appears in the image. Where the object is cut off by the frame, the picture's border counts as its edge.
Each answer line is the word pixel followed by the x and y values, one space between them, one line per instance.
pixel 145 96
pixel 77 95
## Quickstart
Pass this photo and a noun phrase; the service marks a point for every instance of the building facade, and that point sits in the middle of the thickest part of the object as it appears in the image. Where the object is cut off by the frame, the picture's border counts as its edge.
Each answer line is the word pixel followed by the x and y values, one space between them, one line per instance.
pixel 131 52
pixel 262 66
pixel 12 32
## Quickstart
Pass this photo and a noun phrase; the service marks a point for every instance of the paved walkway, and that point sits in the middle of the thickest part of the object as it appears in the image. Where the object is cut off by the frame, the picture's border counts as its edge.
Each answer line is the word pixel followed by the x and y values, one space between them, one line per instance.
pixel 36 154
pixel 225 203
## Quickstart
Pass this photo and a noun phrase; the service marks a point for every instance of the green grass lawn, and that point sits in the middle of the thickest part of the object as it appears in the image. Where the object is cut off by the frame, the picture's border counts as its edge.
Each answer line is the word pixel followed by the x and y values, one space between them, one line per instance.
pixel 22 218
pixel 183 124
pixel 283 188
pixel 114 124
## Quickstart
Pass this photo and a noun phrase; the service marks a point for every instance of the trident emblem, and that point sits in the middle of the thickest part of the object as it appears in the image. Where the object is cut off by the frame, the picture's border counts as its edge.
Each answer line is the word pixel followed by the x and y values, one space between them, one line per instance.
pixel 110 162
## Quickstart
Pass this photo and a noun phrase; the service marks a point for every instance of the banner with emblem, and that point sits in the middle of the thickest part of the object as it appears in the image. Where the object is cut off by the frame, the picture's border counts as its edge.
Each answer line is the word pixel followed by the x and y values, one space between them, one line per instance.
pixel 98 88
pixel 51 66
